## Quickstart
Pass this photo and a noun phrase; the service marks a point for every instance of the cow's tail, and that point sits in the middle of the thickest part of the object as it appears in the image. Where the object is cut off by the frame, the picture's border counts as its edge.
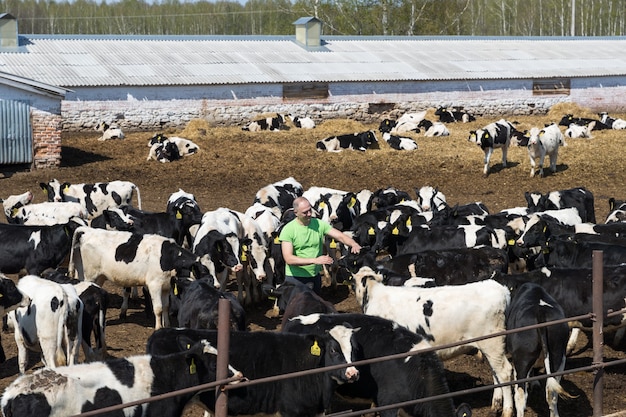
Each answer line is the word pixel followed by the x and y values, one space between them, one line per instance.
pixel 554 344
pixel 138 197
pixel 75 243
pixel 60 357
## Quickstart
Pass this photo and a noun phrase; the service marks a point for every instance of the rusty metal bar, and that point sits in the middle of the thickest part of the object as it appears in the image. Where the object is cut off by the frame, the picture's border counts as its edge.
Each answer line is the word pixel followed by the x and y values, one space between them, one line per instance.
pixel 223 349
pixel 616 313
pixel 598 335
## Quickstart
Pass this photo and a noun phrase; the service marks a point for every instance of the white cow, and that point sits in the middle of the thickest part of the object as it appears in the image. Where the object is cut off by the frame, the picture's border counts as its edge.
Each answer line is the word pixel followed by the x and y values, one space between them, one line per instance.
pixel 51 321
pixel 399 143
pixel 447 314
pixel 577 131
pixel 109 131
pixel 302 122
pixel 48 213
pixel 617 124
pixel 430 198
pixel 544 142
pixel 13 202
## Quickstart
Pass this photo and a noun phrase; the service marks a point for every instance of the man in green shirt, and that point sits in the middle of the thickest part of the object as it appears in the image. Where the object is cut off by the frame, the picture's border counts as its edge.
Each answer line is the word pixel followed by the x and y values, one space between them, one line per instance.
pixel 302 242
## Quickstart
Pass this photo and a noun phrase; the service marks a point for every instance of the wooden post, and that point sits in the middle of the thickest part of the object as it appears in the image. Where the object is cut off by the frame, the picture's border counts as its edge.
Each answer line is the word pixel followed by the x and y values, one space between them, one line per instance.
pixel 223 347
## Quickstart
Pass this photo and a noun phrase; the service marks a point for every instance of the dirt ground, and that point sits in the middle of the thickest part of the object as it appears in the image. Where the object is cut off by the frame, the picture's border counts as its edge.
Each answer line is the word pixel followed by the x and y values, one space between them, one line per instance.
pixel 232 165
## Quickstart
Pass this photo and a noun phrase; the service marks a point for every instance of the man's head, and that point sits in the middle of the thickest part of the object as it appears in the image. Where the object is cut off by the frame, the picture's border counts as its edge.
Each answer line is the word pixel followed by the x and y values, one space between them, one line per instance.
pixel 303 210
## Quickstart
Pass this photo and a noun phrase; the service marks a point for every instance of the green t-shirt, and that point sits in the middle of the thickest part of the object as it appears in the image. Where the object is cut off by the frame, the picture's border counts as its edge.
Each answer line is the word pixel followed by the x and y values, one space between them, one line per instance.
pixel 307 241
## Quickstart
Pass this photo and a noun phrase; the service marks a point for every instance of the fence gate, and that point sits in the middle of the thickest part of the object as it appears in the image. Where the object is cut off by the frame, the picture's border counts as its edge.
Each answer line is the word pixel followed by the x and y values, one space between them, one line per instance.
pixel 16 136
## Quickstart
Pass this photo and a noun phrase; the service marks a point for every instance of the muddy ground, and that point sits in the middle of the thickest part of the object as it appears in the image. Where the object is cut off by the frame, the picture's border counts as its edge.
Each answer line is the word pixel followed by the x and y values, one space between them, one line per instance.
pixel 232 165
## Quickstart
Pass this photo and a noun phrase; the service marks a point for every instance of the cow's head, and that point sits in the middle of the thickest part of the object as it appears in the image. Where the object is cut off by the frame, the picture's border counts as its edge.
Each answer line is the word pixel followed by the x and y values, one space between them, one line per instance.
pixel 53 190
pixel 14 202
pixel 158 138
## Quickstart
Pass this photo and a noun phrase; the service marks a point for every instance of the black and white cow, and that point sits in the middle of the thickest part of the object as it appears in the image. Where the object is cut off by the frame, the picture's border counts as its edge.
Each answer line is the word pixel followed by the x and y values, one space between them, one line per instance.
pixel 199 306
pixel 164 152
pixel 302 122
pixel 10 299
pixel 399 143
pixel 430 198
pixel 433 129
pixel 279 195
pixel 391 381
pixel 433 311
pixel 130 260
pixel 52 321
pixel 93 197
pixel 95 305
pixel 13 203
pixel 47 214
pixel 578 197
pixel 360 141
pixel 186 203
pixel 273 124
pixel 617 211
pixel 34 249
pixel 78 389
pixel 544 142
pixel 616 124
pixel 575 131
pixel 173 225
pixel 531 304
pixel 109 131
pixel 184 146
pixel 455 115
pixel 577 251
pixel 262 354
pixel 494 135
pixel 569 120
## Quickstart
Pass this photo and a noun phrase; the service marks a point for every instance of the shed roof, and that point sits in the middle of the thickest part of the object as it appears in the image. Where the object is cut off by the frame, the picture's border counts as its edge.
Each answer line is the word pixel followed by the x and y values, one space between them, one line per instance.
pixel 108 60
pixel 32 86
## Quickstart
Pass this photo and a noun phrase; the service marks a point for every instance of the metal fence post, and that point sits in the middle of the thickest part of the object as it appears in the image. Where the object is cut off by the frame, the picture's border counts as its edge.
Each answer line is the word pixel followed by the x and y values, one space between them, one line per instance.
pixel 598 335
pixel 223 347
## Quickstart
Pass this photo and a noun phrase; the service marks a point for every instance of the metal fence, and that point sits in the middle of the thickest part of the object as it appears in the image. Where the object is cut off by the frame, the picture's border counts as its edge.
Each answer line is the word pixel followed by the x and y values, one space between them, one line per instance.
pixel 16 137
pixel 597 366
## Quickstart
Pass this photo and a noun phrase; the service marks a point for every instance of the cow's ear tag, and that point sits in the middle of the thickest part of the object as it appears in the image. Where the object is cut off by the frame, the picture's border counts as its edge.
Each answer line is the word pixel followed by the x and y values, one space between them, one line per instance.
pixel 395 231
pixel 192 367
pixel 175 289
pixel 511 242
pixel 487 135
pixel 45 191
pixel 67 187
pixel 178 215
pixel 544 229
pixel 276 240
pixel 14 212
pixel 315 349
pixel 322 205
pixel 408 222
pixel 244 257
pixel 371 231
pixel 352 202
pixel 333 244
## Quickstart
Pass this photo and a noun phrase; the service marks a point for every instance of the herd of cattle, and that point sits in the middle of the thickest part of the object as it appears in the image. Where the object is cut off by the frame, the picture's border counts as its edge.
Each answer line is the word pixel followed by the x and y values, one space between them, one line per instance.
pixel 420 257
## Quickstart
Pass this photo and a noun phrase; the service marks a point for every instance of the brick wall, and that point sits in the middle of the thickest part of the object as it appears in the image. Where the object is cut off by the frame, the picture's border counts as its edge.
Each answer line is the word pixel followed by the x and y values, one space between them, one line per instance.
pixel 46 139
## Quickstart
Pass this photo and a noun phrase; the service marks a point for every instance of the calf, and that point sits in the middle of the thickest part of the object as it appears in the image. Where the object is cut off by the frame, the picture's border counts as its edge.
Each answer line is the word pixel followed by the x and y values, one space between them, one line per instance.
pixel 186 204
pixel 52 320
pixel 130 260
pixel 494 135
pixel 279 195
pixel 82 388
pixel 262 354
pixel 430 198
pixel 199 306
pixel 93 197
pixel 14 202
pixel 47 214
pixel 10 299
pixel 273 124
pixel 433 129
pixel 391 381
pixel 184 146
pixel 95 304
pixel 569 120
pixel 455 115
pixel 579 198
pixel 109 131
pixel 165 151
pixel 544 142
pixel 302 122
pixel 616 124
pixel 356 141
pixel 432 310
pixel 531 305
pixel 34 249
pixel 399 143
pixel 295 299
pixel 576 131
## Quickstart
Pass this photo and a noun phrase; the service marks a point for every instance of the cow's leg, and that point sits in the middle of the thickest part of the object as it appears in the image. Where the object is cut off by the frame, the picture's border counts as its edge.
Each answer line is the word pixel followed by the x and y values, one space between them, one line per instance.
pixel 494 352
pixel 488 153
pixel 619 335
pixel 532 165
pixel 125 297
pixel 553 160
pixel 160 302
pixel 573 337
pixel 522 368
pixel 542 157
pixel 505 150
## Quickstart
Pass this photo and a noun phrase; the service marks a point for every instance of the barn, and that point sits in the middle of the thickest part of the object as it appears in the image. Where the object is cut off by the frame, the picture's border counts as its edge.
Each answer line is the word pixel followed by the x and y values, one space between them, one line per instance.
pixel 156 82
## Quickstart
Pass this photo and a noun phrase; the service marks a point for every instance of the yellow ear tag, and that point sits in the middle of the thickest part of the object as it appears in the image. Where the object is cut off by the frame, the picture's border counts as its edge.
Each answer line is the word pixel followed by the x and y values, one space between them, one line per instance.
pixel 395 231
pixel 45 191
pixel 14 212
pixel 371 231
pixel 178 215
pixel 486 135
pixel 315 349
pixel 408 222
pixel 192 367
pixel 276 240
pixel 67 187
pixel 511 242
pixel 333 244
pixel 322 205
pixel 352 202
pixel 244 250
pixel 175 289
pixel 544 229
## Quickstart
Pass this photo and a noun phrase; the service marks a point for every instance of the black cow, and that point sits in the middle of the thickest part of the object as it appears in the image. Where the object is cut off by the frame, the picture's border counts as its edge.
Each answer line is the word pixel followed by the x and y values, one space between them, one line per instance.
pixel 296 299
pixel 356 141
pixel 530 305
pixel 199 306
pixel 455 115
pixel 263 354
pixel 568 119
pixel 10 299
pixel 579 198
pixel 565 251
pixel 72 390
pixel 174 225
pixel 34 248
pixel 390 381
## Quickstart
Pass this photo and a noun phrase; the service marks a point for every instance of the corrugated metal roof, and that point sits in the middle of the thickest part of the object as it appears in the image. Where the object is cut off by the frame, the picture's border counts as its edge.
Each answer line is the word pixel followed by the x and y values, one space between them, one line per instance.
pixel 75 61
